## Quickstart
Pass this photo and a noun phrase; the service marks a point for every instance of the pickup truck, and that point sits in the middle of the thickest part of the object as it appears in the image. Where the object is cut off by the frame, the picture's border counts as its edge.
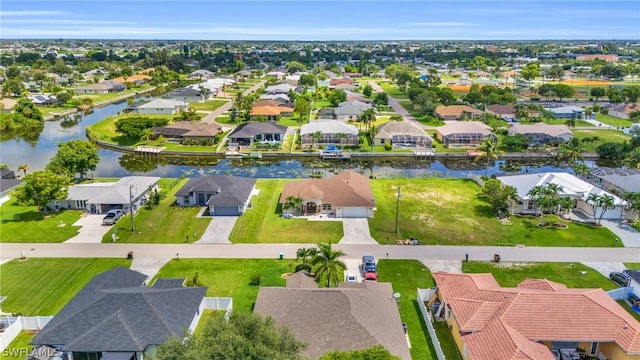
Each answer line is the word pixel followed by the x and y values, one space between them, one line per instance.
pixel 112 216
pixel 369 264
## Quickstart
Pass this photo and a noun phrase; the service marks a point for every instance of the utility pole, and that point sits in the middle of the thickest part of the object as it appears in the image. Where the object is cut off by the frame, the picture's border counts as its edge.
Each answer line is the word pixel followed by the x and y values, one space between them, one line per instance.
pixel 133 227
pixel 398 207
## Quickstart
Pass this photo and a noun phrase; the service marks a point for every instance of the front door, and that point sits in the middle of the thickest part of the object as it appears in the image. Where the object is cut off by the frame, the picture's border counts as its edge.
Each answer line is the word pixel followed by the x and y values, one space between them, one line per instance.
pixel 311 208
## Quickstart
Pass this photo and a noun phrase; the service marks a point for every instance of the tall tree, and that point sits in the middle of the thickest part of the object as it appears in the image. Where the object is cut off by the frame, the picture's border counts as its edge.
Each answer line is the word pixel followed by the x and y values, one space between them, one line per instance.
pixel 564 91
pixel 305 255
pixel 328 266
pixel 245 335
pixel 571 151
pixel 40 187
pixel 530 72
pixel 24 168
pixel 303 109
pixel 489 151
pixel 597 92
pixel 75 157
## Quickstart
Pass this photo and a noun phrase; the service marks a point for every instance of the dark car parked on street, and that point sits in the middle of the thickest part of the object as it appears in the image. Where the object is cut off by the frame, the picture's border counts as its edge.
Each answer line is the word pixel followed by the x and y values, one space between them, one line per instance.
pixel 619 278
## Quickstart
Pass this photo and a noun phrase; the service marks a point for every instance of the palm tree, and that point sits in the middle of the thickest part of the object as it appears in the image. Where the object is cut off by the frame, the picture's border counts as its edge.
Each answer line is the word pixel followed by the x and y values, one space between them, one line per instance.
pixel 305 255
pixel 329 267
pixel 566 205
pixel 633 204
pixel 606 203
pixel 511 194
pixel 146 134
pixel 24 168
pixel 4 166
pixel 572 150
pixel 293 203
pixel 571 123
pixel 315 136
pixel 489 151
pixel 367 117
pixel 342 136
pixel 632 160
pixel 581 169
pixel 594 199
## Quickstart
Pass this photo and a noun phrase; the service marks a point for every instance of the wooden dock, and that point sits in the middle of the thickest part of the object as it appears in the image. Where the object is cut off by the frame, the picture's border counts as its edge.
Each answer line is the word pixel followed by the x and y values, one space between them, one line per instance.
pixel 326 155
pixel 147 149
pixel 424 153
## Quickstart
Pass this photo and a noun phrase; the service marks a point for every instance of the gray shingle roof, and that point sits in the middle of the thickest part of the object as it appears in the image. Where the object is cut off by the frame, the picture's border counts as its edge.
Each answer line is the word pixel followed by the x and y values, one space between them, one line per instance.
pixel 251 129
pixel 113 312
pixel 168 283
pixel 343 318
pixel 233 190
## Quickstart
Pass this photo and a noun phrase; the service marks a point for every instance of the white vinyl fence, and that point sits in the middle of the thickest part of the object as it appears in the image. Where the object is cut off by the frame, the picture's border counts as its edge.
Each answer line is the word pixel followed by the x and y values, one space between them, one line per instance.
pixel 215 303
pixel 14 325
pixel 423 296
pixel 620 293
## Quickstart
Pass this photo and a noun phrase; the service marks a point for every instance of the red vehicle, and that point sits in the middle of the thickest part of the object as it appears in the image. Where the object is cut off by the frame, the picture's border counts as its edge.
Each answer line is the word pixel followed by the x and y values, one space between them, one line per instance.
pixel 373 277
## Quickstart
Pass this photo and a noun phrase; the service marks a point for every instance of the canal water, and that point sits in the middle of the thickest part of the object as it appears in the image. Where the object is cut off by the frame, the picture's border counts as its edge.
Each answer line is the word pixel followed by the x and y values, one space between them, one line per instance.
pixel 15 152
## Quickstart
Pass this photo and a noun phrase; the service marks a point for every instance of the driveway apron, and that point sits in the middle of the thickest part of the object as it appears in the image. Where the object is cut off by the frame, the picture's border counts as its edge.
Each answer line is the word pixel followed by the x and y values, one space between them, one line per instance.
pixel 218 230
pixel 356 231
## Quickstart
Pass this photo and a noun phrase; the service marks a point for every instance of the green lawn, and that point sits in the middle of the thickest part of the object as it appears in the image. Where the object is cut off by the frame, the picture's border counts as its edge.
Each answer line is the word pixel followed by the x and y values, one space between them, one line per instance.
pixel 569 274
pixel 163 224
pixel 208 105
pixel 425 119
pixel 263 224
pixel 393 91
pixel 41 286
pixel 406 276
pixel 321 104
pixel 613 121
pixel 429 206
pixel 19 349
pixel 555 121
pixel 604 136
pixel 626 306
pixel 231 277
pixel 289 121
pixel 632 265
pixel 447 343
pixel 27 224
pixel 46 110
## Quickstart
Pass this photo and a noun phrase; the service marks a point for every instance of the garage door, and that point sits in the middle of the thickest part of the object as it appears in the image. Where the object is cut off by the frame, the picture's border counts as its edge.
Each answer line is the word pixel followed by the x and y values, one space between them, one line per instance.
pixel 354 212
pixel 225 211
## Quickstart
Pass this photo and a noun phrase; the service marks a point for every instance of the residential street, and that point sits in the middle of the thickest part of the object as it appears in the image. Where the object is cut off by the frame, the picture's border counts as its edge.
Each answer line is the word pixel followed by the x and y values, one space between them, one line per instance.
pixel 440 253
pixel 211 117
pixel 396 106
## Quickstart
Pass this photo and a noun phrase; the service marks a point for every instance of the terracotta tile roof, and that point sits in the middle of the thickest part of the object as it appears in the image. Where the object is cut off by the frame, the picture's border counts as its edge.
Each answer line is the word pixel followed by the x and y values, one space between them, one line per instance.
pixel 443 110
pixel 346 189
pixel 505 323
pixel 269 110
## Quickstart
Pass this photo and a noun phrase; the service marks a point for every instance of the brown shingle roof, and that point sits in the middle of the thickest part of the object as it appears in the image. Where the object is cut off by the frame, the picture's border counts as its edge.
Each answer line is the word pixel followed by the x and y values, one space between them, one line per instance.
pixel 343 318
pixel 189 129
pixel 502 109
pixel 457 110
pixel 541 128
pixel 346 189
pixel 464 127
pixel 504 323
pixel 301 279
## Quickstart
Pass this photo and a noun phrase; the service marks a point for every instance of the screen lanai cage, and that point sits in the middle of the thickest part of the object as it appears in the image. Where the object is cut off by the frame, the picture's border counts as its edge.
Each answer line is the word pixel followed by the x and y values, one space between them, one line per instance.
pixel 465 139
pixel 411 141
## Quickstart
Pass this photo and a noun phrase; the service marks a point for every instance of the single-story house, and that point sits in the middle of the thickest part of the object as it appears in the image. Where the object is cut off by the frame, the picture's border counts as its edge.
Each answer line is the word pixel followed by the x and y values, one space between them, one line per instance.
pixel 93 89
pixel 224 195
pixel 464 134
pixel 616 180
pixel 350 110
pixel 344 86
pixel 279 102
pixel 567 112
pixel 137 79
pixel 115 86
pixel 346 195
pixel 279 89
pixel 271 113
pixel 8 185
pixel 188 130
pixel 98 198
pixel 605 57
pixel 282 98
pixel 572 187
pixel 367 314
pixel 508 112
pixel 457 112
pixel 326 114
pixel 622 111
pixel 330 74
pixel 335 82
pixel 201 74
pixel 402 134
pixel 213 85
pixel 248 133
pixel 42 100
pixel 161 107
pixel 534 320
pixel 329 130
pixel 541 133
pixel 115 316
pixel 100 73
pixel 189 95
pixel 278 74
pixel 351 96
pixel 354 75
pixel 6 105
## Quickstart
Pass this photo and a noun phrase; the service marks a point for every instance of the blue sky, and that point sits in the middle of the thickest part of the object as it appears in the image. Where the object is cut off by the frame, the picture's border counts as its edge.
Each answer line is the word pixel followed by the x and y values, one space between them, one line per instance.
pixel 320 20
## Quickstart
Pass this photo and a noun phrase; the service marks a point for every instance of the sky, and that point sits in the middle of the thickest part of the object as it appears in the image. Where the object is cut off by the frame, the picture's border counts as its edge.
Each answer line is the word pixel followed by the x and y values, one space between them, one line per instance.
pixel 320 20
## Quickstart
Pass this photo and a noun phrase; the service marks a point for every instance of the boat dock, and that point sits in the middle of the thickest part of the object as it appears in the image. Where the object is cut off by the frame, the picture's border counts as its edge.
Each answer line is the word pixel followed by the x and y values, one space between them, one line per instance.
pixel 424 153
pixel 148 149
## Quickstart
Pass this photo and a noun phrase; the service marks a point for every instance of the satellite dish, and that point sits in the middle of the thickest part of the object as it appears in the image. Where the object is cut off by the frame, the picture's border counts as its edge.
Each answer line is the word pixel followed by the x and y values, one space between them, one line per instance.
pixel 396 295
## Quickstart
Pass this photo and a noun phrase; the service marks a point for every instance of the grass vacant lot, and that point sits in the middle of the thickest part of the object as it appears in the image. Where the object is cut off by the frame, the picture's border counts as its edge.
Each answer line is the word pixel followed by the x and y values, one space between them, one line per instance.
pixel 41 286
pixel 263 224
pixel 406 276
pixel 230 277
pixel 449 212
pixel 393 91
pixel 569 274
pixel 208 105
pixel 613 121
pixel 604 136
pixel 19 349
pixel 27 224
pixel 164 223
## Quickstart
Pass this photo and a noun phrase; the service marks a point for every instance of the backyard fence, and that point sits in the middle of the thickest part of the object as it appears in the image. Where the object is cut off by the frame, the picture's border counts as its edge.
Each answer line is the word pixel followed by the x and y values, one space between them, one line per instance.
pixel 215 303
pixel 423 296
pixel 14 325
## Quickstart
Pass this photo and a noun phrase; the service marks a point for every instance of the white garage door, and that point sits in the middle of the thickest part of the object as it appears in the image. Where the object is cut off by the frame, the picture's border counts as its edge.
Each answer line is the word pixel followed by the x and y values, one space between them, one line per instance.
pixel 354 212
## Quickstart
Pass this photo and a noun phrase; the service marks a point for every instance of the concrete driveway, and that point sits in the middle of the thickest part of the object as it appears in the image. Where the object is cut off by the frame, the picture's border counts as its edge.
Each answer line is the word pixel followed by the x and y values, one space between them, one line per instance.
pixel 91 230
pixel 353 267
pixel 356 231
pixel 605 268
pixel 218 230
pixel 628 235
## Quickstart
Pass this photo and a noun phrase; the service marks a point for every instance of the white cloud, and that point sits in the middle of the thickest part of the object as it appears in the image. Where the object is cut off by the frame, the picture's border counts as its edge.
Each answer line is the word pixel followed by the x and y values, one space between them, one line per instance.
pixel 20 13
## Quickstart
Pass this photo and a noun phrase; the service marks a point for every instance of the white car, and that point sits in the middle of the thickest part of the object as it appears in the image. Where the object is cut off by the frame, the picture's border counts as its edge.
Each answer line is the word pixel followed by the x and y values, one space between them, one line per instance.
pixel 351 278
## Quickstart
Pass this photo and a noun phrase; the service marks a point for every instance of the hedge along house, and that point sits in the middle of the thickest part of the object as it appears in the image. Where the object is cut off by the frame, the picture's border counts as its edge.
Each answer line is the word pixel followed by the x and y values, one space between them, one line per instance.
pixel 98 198
pixel 224 195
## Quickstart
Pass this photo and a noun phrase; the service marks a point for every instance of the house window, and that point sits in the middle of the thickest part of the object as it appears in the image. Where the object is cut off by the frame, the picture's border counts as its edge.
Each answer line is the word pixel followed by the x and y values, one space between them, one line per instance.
pixel 530 205
pixel 185 200
pixel 594 348
pixel 326 207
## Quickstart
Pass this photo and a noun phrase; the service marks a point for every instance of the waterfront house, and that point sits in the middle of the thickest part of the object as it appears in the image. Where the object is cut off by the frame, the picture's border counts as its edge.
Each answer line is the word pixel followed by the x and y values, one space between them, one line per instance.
pixel 329 133
pixel 185 131
pixel 616 180
pixel 538 320
pixel 402 134
pixel 189 95
pixel 464 134
pixel 6 105
pixel 248 133
pixel 161 107
pixel 541 133
pixel 224 195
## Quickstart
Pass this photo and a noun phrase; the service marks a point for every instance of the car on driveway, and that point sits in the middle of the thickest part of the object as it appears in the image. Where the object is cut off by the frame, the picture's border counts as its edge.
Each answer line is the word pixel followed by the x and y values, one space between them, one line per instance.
pixel 619 278
pixel 369 264
pixel 112 216
pixel 351 278
pixel 370 277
